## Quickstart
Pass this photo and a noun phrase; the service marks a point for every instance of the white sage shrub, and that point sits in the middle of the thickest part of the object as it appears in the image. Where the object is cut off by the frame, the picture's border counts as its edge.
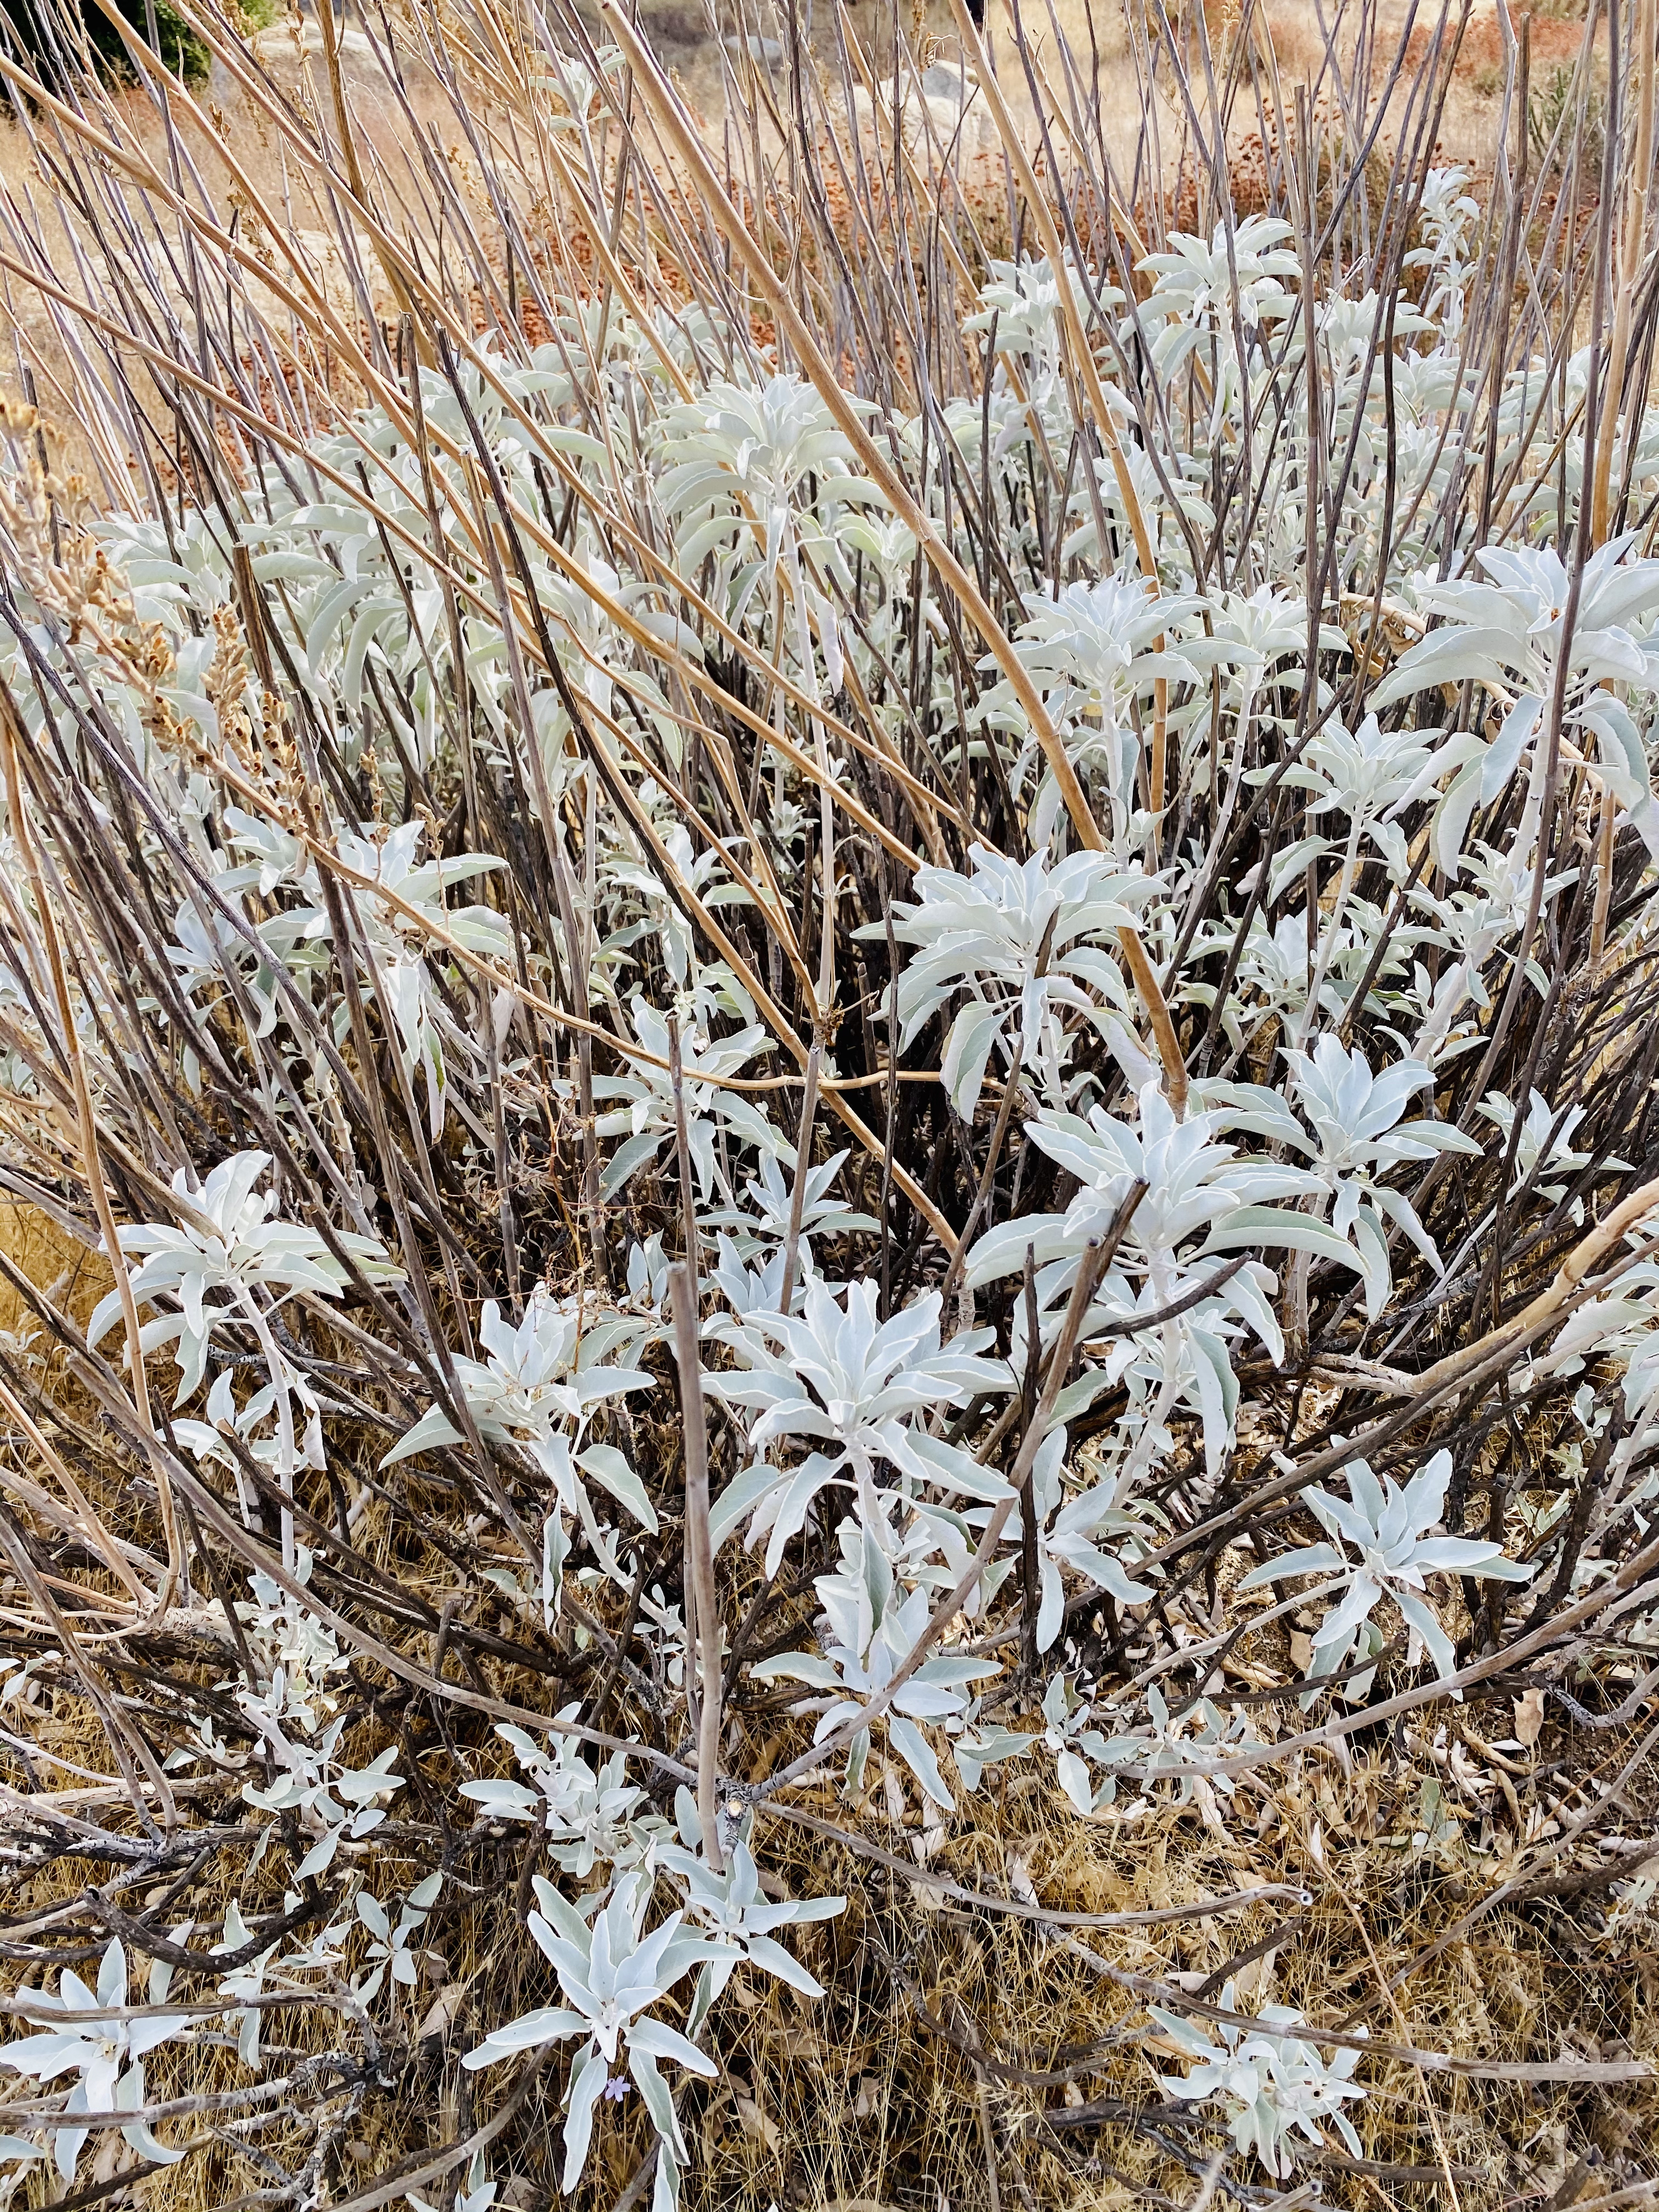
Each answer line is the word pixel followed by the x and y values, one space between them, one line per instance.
pixel 857 1041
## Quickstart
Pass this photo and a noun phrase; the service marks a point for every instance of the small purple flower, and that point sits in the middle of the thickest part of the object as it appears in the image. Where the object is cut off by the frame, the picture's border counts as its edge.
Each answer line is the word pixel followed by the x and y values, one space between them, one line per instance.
pixel 615 2089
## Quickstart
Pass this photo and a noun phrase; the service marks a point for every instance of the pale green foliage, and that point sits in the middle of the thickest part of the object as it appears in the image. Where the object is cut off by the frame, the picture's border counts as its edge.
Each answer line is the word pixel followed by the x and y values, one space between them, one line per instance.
pixel 228 1245
pixel 106 2056
pixel 1027 942
pixel 1274 2081
pixel 612 1974
pixel 1393 1531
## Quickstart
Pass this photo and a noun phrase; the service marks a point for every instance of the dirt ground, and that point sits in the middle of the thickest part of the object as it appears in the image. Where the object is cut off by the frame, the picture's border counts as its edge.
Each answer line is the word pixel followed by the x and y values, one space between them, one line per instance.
pixel 1101 41
pixel 38 337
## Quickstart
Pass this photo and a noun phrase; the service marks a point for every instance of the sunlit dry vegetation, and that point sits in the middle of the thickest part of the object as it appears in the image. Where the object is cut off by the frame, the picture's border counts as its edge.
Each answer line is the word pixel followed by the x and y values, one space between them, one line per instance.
pixel 829 1173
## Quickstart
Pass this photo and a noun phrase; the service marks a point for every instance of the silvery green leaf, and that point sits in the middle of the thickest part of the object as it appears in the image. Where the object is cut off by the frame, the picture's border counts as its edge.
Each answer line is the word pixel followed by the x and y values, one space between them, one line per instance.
pixel 913 1748
pixel 609 1467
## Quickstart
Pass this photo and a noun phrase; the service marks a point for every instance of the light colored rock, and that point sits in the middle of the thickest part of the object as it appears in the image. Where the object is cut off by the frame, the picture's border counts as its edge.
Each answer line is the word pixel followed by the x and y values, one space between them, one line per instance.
pixel 326 259
pixel 287 43
pixel 768 52
pixel 943 102
pixel 941 81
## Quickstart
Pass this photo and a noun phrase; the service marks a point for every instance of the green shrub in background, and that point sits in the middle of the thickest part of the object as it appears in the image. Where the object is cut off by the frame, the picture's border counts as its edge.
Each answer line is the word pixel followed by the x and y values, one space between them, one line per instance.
pixel 43 29
pixel 164 28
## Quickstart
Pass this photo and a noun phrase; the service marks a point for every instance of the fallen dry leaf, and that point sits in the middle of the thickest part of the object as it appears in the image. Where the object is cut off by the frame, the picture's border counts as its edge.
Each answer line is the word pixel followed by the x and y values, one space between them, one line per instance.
pixel 755 2124
pixel 1528 1717
pixel 443 2012
pixel 795 2043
